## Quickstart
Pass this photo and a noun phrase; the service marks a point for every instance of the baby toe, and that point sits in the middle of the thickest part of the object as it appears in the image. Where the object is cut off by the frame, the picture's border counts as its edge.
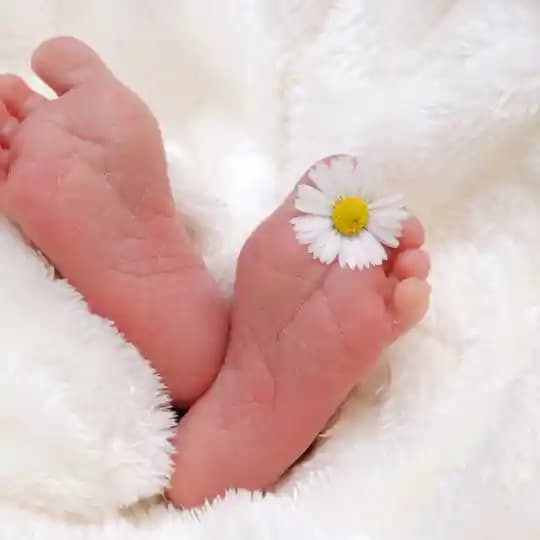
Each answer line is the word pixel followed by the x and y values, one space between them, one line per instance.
pixel 412 263
pixel 411 302
pixel 18 97
pixel 412 236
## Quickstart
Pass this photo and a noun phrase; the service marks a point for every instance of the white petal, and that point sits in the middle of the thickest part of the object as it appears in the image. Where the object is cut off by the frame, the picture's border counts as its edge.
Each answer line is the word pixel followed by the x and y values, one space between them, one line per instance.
pixel 306 238
pixel 347 252
pixel 311 223
pixel 357 256
pixel 312 201
pixel 361 259
pixel 369 180
pixel 389 215
pixel 343 164
pixel 330 251
pixel 325 179
pixel 368 251
pixel 345 176
pixel 394 201
pixel 309 228
pixel 351 185
pixel 392 227
pixel 387 236
pixel 325 247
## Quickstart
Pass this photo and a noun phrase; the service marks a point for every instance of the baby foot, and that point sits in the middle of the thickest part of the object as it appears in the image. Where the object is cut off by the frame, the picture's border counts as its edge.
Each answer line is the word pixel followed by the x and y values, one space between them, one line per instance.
pixel 303 335
pixel 84 177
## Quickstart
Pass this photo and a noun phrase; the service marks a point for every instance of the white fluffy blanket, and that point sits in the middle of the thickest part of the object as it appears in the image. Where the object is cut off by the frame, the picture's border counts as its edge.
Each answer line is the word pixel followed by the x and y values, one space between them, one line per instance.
pixel 444 97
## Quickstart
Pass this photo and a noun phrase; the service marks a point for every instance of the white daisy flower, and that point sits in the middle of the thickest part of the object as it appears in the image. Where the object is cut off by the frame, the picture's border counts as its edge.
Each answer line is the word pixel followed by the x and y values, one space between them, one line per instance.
pixel 344 219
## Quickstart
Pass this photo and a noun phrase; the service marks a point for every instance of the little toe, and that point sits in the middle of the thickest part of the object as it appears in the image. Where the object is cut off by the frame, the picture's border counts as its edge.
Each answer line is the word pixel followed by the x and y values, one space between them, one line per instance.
pixel 411 302
pixel 18 97
pixel 412 263
pixel 66 62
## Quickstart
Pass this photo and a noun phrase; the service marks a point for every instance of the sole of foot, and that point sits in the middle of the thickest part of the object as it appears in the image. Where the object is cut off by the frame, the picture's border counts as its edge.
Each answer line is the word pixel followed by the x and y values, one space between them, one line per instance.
pixel 303 335
pixel 84 177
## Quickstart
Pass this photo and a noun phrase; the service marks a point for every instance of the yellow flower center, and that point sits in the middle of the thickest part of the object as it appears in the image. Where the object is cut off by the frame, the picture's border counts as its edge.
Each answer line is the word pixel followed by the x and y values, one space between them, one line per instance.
pixel 350 215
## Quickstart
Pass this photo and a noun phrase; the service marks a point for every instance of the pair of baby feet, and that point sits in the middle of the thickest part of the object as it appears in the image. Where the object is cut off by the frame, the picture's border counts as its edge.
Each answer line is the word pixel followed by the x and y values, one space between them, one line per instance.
pixel 85 179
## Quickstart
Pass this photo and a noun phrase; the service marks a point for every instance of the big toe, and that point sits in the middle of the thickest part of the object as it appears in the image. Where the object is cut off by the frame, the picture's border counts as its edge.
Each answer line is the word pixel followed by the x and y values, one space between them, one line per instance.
pixel 66 62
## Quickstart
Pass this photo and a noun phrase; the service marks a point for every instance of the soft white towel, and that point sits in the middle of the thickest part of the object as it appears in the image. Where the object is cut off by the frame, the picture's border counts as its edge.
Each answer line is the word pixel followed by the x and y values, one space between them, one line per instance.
pixel 444 97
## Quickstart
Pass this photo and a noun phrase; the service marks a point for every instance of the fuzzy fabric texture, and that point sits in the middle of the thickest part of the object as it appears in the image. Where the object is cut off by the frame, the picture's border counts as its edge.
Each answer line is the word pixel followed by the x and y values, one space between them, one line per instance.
pixel 443 96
